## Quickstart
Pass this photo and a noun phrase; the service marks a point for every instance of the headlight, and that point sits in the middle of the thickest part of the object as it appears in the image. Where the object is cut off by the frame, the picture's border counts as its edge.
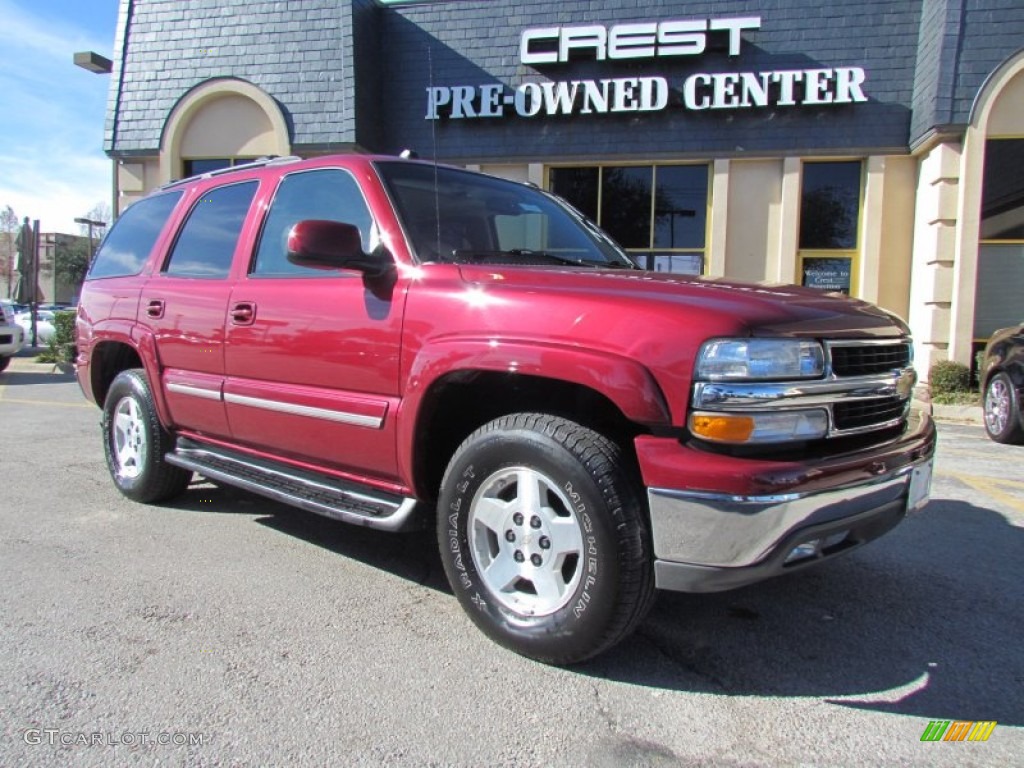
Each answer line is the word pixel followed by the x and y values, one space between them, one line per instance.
pixel 760 359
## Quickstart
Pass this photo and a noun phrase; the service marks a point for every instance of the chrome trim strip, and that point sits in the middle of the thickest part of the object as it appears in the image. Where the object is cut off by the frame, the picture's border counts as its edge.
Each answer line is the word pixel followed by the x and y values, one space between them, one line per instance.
pixel 343 417
pixel 186 389
pixel 746 396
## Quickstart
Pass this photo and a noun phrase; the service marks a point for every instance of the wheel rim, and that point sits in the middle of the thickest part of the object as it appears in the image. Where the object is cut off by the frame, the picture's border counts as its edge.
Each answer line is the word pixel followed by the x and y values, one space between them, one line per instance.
pixel 526 541
pixel 997 407
pixel 129 438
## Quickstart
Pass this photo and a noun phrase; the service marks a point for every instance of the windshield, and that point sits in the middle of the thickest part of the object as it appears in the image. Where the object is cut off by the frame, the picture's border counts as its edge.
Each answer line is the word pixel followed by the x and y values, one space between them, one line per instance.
pixel 459 216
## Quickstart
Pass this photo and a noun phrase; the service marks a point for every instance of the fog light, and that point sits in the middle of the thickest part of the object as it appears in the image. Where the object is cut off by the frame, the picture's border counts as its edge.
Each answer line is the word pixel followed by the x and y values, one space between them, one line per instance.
pixel 800 551
pixel 835 538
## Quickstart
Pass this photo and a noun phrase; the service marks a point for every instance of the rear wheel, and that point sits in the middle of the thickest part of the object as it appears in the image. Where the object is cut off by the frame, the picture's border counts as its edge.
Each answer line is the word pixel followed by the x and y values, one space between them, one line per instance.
pixel 1002 410
pixel 135 442
pixel 3 363
pixel 543 537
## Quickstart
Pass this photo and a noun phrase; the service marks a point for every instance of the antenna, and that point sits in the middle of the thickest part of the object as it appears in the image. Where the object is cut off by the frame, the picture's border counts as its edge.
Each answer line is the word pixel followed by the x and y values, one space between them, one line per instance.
pixel 433 149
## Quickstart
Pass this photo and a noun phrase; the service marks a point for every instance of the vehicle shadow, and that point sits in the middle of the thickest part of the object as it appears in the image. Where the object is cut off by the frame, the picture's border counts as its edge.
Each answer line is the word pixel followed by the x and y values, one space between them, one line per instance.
pixel 923 622
pixel 13 378
pixel 412 555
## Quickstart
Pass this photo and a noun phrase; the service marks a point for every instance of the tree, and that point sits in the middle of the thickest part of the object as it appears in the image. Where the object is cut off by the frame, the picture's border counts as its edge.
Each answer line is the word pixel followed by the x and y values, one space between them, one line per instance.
pixel 99 212
pixel 71 261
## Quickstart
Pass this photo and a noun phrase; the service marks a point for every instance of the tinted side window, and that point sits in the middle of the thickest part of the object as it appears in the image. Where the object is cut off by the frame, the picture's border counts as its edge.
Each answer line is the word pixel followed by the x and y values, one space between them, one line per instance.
pixel 208 238
pixel 329 194
pixel 131 239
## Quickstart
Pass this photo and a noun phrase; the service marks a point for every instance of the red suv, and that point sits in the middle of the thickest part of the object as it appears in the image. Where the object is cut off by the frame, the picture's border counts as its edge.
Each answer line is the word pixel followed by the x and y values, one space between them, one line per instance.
pixel 393 343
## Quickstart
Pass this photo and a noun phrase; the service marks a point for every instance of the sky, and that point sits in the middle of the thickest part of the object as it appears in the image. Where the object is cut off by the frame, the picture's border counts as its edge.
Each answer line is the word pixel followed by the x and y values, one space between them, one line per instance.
pixel 52 164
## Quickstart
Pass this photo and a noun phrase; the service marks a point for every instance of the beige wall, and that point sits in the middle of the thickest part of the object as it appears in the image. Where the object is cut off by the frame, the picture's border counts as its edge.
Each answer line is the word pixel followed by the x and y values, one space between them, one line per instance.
pixel 887 235
pixel 133 179
pixel 228 126
pixel 754 214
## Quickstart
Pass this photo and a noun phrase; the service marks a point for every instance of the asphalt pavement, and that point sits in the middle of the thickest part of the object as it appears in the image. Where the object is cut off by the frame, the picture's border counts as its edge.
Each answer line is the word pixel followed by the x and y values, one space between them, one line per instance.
pixel 227 630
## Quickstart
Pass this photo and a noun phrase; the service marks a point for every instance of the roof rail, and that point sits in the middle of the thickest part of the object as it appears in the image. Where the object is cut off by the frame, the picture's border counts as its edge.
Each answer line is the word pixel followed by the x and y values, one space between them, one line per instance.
pixel 257 163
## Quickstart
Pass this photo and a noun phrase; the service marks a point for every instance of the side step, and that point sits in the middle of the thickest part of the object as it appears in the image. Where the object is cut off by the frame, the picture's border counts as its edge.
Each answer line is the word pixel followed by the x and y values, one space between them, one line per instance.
pixel 323 494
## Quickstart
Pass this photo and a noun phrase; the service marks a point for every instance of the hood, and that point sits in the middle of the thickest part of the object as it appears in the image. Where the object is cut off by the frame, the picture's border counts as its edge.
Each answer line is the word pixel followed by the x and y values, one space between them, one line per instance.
pixel 720 306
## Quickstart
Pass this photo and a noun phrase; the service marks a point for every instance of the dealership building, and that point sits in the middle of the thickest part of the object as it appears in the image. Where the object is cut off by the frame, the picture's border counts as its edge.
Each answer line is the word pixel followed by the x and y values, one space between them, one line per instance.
pixel 870 147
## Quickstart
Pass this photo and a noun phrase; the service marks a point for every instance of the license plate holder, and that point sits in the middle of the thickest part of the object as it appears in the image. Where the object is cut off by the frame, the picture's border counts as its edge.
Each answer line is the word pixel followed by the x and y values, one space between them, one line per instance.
pixel 920 488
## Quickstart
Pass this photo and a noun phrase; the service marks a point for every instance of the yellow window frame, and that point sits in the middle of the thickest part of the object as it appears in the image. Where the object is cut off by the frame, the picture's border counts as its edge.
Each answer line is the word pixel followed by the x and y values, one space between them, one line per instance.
pixel 851 254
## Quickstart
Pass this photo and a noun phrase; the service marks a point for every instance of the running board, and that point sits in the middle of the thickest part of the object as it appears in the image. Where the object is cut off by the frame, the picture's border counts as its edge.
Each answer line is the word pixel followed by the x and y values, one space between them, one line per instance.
pixel 325 495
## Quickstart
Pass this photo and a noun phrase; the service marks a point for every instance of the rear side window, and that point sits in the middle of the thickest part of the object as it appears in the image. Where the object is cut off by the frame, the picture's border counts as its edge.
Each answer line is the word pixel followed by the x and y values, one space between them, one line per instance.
pixel 208 238
pixel 328 194
pixel 131 239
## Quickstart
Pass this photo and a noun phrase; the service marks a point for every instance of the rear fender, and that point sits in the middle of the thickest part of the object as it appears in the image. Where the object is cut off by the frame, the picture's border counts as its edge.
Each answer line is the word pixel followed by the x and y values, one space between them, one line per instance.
pixel 127 333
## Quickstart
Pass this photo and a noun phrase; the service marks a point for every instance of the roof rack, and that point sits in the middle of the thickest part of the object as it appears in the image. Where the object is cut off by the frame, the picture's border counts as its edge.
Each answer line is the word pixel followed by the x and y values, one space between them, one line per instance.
pixel 257 163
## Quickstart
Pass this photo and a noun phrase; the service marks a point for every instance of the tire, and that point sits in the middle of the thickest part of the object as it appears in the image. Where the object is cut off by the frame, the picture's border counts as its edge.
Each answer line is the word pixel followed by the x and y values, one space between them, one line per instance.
pixel 1002 410
pixel 543 538
pixel 3 363
pixel 135 442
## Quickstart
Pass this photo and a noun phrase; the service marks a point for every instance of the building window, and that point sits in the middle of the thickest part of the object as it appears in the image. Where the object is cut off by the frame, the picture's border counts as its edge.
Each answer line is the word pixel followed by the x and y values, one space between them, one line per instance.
pixel 658 213
pixel 200 165
pixel 1001 250
pixel 830 203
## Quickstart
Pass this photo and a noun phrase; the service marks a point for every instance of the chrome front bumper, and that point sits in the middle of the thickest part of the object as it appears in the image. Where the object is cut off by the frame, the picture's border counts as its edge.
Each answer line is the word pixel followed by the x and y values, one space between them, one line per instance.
pixel 705 542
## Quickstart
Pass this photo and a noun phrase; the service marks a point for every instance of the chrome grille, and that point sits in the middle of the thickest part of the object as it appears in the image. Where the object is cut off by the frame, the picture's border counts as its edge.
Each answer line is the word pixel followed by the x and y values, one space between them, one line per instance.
pixel 868 358
pixel 862 414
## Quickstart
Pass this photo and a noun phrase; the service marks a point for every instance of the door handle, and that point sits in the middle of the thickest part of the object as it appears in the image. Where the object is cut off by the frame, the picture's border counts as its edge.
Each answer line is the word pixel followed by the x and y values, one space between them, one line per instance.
pixel 243 313
pixel 155 308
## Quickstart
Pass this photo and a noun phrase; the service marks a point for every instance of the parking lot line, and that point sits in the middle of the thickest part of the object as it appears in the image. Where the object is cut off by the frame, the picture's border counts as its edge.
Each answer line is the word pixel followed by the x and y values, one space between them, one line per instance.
pixel 24 401
pixel 994 488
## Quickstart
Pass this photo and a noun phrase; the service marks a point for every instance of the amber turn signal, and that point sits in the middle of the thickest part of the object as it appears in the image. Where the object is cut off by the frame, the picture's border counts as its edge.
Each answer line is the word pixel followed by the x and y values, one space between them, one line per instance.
pixel 722 427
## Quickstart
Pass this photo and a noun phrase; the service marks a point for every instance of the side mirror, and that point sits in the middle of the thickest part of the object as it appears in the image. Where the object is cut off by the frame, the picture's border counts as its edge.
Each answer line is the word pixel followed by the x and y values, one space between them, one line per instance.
pixel 323 244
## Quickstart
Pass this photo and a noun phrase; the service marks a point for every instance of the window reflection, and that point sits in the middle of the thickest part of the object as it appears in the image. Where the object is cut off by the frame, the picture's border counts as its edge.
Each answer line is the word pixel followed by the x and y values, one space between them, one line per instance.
pixel 1002 196
pixel 830 205
pixel 645 208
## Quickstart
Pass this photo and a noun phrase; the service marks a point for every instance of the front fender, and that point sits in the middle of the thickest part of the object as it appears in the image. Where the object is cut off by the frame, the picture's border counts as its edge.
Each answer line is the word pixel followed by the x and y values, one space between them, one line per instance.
pixel 625 382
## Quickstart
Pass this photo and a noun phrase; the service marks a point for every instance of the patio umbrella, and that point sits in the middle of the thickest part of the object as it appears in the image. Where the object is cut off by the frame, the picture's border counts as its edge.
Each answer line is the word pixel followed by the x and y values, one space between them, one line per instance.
pixel 26 253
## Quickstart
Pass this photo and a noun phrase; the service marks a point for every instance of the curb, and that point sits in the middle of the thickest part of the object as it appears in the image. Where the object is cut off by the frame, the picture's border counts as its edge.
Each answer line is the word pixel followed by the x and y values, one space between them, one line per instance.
pixel 954 414
pixel 26 364
pixel 958 414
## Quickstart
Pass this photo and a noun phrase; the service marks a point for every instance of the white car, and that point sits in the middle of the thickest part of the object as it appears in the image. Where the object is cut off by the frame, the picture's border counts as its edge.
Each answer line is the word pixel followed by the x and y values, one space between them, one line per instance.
pixel 12 335
pixel 44 325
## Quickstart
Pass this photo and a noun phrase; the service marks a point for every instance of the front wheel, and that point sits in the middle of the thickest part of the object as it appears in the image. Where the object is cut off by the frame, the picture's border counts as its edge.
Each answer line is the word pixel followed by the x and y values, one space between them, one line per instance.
pixel 1002 410
pixel 543 537
pixel 135 442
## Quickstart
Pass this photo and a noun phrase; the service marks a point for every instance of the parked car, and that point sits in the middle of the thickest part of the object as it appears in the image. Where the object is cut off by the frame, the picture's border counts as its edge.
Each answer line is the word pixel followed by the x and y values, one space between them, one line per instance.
pixel 1002 381
pixel 12 336
pixel 393 343
pixel 44 325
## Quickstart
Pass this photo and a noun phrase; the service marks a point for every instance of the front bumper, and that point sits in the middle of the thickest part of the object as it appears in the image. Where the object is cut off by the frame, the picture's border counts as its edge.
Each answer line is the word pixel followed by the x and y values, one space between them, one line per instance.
pixel 709 540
